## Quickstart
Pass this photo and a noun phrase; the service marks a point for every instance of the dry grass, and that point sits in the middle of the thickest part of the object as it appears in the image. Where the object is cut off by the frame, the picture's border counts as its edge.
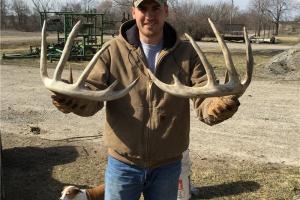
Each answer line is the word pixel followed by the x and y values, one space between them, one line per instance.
pixel 239 60
pixel 19 42
pixel 288 39
pixel 224 179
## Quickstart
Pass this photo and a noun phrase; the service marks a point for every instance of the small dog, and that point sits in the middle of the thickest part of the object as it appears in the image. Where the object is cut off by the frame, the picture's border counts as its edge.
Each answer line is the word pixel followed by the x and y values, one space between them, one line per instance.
pixel 74 193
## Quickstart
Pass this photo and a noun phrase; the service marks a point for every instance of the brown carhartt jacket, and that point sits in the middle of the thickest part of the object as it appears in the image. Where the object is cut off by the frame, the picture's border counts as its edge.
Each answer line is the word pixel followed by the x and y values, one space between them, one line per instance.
pixel 147 127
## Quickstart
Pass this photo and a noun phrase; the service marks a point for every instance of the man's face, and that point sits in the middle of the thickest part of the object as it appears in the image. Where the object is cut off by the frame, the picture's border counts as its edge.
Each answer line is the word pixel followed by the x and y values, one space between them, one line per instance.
pixel 150 18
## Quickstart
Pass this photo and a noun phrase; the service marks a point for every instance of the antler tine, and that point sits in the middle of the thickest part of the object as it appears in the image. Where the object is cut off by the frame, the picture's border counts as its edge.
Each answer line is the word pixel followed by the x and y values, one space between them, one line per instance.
pixel 99 95
pixel 43 60
pixel 180 90
pixel 77 90
pixel 232 85
pixel 66 52
pixel 177 82
pixel 233 75
pixel 211 77
pixel 108 94
pixel 177 89
pixel 249 57
pixel 87 70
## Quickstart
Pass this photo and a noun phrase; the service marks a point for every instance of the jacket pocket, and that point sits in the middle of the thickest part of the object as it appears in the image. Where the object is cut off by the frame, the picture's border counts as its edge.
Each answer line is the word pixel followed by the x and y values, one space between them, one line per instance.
pixel 124 130
pixel 170 135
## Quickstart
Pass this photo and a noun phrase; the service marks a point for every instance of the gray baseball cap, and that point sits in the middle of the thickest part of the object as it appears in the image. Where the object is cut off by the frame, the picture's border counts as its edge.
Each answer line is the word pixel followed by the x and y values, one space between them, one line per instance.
pixel 136 3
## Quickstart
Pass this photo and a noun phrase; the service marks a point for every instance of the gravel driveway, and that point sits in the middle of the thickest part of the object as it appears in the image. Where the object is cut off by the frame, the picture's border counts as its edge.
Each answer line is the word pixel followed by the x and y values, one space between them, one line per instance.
pixel 265 129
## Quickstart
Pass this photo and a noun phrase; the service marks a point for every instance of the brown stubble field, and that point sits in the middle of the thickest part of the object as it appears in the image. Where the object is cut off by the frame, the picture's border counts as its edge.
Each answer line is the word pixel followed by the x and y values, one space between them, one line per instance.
pixel 254 155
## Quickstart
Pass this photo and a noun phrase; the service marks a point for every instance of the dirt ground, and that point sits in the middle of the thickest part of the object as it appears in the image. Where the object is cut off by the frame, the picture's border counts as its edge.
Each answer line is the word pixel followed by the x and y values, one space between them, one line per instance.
pixel 44 150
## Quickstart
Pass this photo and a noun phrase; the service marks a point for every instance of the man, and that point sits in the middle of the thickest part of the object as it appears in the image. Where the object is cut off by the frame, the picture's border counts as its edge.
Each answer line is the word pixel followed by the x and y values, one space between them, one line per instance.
pixel 147 130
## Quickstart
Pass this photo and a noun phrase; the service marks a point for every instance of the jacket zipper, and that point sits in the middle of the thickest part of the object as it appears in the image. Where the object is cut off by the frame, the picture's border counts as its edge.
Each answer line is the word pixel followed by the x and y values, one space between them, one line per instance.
pixel 149 88
pixel 148 142
pixel 150 123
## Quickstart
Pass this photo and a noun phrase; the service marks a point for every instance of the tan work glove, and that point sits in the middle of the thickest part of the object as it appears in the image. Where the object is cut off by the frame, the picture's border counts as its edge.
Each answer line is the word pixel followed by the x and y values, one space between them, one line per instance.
pixel 78 106
pixel 64 103
pixel 219 109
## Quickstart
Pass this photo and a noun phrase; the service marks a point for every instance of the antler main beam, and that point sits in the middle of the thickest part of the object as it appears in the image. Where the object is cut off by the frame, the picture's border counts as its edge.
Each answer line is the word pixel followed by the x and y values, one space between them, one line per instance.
pixel 77 89
pixel 212 89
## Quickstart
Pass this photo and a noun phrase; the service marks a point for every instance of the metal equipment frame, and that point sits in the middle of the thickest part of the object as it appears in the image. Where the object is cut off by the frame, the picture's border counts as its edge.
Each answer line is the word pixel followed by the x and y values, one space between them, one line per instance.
pixel 88 41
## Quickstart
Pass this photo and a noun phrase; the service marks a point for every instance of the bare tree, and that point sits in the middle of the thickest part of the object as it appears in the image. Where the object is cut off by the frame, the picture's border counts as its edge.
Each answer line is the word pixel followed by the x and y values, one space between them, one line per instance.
pixel 276 9
pixel 122 6
pixel 272 10
pixel 191 16
pixel 22 11
pixel 105 7
pixel 123 3
pixel 186 16
pixel 258 8
pixel 297 18
pixel 221 12
pixel 43 5
pixel 79 6
pixel 88 5
pixel 173 3
pixel 4 12
pixel 72 7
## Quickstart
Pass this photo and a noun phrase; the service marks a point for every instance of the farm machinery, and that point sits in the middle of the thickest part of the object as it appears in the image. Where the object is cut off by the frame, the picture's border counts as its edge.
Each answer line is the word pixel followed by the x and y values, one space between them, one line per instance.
pixel 88 41
pixel 234 32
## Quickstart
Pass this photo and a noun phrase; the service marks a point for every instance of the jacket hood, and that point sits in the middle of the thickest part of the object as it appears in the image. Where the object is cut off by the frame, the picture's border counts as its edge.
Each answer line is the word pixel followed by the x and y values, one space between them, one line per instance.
pixel 129 32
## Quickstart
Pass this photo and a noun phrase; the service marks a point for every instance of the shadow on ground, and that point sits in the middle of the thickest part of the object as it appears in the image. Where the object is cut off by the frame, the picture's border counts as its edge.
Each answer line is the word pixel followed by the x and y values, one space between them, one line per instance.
pixel 226 189
pixel 28 171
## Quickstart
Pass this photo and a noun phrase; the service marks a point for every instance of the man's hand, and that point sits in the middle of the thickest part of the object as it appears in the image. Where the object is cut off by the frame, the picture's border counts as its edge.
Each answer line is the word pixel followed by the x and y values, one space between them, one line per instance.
pixel 81 107
pixel 220 109
pixel 78 106
pixel 63 103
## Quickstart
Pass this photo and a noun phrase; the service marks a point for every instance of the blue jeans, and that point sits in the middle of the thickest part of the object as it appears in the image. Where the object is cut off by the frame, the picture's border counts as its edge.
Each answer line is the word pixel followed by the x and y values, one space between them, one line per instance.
pixel 128 182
